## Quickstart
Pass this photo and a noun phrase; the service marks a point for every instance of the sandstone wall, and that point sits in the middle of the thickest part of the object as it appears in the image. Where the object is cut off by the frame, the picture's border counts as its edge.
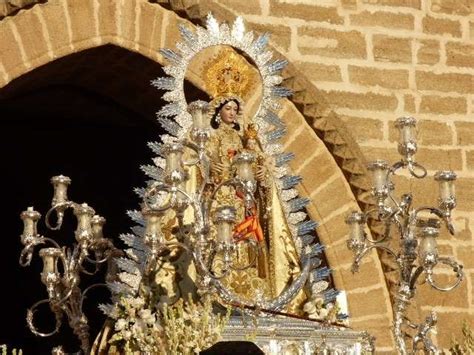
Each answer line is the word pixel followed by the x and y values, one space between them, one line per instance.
pixel 363 62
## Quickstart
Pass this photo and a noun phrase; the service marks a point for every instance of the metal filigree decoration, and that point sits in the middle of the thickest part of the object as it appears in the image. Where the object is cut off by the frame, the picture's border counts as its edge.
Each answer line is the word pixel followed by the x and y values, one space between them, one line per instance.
pixel 418 228
pixel 176 117
pixel 65 296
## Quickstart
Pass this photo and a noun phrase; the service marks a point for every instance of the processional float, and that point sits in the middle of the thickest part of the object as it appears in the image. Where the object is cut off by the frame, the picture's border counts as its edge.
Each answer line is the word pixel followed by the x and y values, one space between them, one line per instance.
pixel 222 248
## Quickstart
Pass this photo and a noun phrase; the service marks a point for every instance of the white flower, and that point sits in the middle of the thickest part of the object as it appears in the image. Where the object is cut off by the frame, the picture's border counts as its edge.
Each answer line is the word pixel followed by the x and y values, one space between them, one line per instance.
pixel 138 328
pixel 323 312
pixel 137 302
pixel 147 316
pixel 127 335
pixel 120 324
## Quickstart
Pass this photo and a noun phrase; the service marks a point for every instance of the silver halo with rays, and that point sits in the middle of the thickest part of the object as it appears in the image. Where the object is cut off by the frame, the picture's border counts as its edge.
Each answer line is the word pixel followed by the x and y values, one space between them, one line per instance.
pixel 177 121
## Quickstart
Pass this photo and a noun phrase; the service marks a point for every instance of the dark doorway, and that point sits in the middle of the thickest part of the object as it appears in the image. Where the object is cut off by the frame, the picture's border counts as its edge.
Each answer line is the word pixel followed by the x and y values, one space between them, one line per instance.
pixel 88 116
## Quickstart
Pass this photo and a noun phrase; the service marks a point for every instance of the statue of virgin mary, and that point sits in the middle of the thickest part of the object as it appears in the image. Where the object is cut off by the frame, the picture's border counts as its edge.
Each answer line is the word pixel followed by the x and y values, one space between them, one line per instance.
pixel 261 233
pixel 221 216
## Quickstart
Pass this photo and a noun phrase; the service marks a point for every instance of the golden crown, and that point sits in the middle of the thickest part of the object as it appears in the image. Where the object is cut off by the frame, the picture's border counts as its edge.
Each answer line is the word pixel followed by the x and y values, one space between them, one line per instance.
pixel 228 75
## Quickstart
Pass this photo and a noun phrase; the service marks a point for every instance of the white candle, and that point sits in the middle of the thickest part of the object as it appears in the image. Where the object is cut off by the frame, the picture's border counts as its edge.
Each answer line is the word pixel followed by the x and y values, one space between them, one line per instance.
pixel 50 259
pixel 84 215
pixel 60 184
pixel 30 219
pixel 406 126
pixel 198 110
pixel 380 169
pixel 97 223
pixel 446 185
pixel 224 232
pixel 243 163
pixel 172 161
pixel 428 244
pixel 152 225
pixel 356 221
pixel 224 218
pixel 174 170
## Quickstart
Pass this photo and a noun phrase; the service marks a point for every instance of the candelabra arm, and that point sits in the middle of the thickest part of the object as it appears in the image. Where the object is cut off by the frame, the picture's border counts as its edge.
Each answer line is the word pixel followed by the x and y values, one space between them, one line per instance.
pixel 160 187
pixel 27 252
pixel 196 148
pixel 87 272
pixel 84 293
pixel 414 277
pixel 446 217
pixel 254 258
pixel 396 166
pixel 457 268
pixel 387 220
pixel 30 319
pixel 360 254
pixel 273 304
pixel 412 166
pixel 97 262
pixel 59 209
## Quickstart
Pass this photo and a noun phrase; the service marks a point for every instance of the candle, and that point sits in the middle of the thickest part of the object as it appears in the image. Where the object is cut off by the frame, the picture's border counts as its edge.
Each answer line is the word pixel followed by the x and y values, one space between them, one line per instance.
pixel 97 223
pixel 356 221
pixel 224 219
pixel 243 163
pixel 30 219
pixel 84 215
pixel 428 245
pixel 174 166
pixel 198 111
pixel 447 196
pixel 50 258
pixel 152 226
pixel 407 135
pixel 50 274
pixel 380 169
pixel 60 184
pixel 406 127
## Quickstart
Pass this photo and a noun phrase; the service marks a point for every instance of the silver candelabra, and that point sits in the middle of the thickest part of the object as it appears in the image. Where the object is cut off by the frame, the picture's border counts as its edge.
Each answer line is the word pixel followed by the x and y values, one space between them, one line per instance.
pixel 418 229
pixel 62 267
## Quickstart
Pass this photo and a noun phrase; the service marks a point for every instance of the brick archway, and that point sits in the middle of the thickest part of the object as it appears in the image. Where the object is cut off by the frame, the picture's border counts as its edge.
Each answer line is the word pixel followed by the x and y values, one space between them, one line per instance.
pixel 327 157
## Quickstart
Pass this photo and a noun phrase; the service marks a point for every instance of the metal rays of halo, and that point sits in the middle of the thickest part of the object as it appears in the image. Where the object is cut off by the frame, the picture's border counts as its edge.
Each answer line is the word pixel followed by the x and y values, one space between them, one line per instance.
pixel 177 121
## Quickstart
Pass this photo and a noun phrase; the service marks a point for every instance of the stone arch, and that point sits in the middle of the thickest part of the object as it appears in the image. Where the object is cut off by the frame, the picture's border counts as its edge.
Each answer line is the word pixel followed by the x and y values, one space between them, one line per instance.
pixel 327 157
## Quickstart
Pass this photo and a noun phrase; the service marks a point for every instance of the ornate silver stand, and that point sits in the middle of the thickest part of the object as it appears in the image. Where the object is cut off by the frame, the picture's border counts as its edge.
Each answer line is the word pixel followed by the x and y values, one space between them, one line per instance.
pixel 418 253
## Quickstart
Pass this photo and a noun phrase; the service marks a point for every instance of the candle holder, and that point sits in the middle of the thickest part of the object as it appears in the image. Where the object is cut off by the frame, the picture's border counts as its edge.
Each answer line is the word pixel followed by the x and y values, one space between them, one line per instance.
pixel 201 131
pixel 174 171
pixel 243 164
pixel 62 283
pixel 418 253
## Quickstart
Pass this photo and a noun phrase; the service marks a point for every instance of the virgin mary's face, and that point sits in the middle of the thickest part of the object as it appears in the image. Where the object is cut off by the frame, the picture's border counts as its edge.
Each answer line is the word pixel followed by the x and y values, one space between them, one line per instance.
pixel 229 112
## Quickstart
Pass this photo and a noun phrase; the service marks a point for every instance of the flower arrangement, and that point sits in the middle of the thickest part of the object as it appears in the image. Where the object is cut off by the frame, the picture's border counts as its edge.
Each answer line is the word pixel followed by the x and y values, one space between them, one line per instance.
pixel 184 327
pixel 4 349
